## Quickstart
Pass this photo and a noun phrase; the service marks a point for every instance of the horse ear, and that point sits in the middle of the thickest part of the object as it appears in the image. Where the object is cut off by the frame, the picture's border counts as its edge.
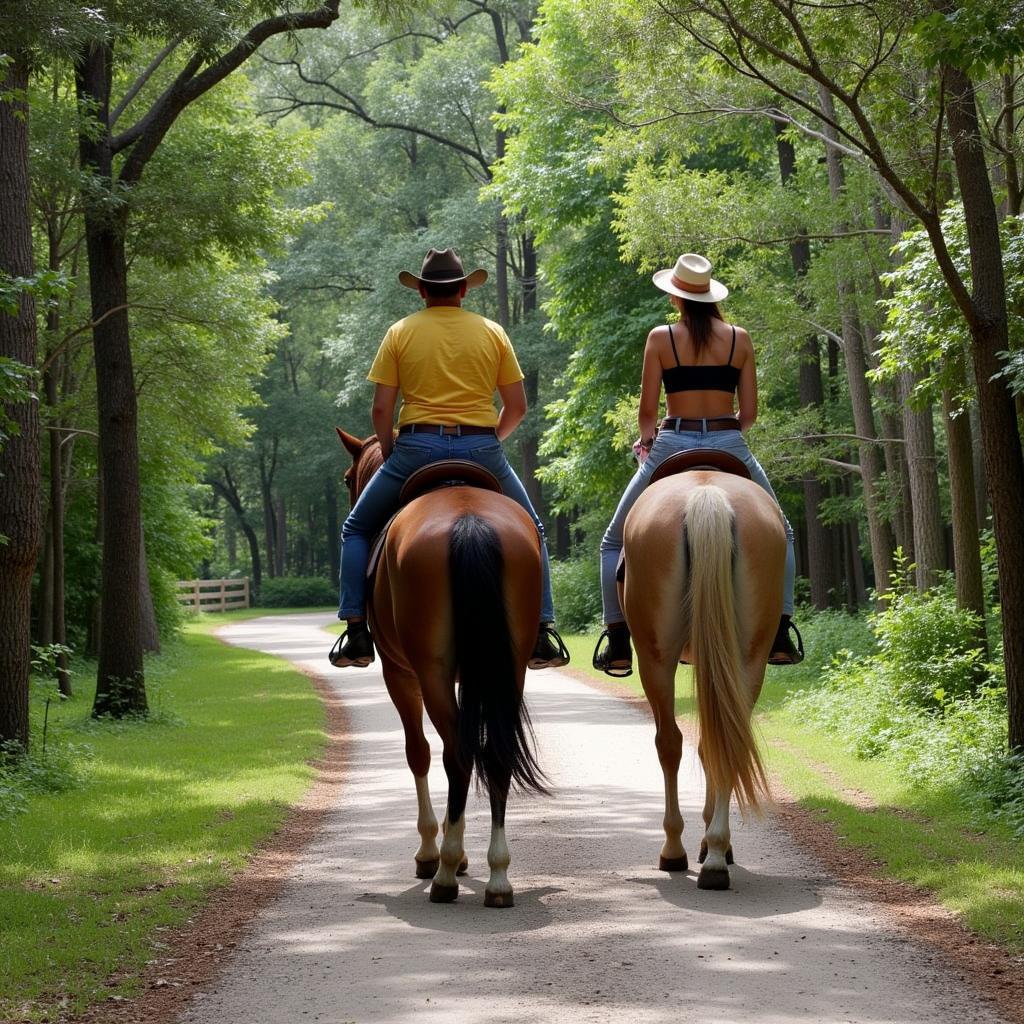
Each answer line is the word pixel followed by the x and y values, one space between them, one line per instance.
pixel 353 445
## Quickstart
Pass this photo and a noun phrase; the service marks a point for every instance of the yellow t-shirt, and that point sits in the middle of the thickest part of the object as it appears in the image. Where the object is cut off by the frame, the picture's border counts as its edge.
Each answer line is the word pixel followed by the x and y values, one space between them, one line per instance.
pixel 447 362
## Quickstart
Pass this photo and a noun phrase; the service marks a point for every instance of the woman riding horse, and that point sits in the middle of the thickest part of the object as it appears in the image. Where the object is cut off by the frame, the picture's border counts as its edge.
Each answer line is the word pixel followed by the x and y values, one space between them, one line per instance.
pixel 705 364
pixel 447 363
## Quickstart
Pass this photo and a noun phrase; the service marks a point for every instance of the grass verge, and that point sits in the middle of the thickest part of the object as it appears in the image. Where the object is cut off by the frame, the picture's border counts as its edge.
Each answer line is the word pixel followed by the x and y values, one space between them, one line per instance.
pixel 925 836
pixel 165 811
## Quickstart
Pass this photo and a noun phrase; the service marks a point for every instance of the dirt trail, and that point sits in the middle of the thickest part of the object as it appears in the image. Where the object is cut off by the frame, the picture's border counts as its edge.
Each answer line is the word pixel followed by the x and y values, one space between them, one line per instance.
pixel 597 933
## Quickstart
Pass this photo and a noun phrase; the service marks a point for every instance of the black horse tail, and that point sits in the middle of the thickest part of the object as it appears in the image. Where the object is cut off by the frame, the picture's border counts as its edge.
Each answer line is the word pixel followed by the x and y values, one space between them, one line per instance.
pixel 494 732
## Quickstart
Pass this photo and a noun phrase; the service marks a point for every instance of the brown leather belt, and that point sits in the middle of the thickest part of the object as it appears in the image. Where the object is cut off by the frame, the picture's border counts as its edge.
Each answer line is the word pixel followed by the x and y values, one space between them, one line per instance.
pixel 447 430
pixel 677 423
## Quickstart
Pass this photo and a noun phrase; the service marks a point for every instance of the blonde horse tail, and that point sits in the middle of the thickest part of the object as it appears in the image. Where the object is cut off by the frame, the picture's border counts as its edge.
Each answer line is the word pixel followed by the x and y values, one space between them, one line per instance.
pixel 728 748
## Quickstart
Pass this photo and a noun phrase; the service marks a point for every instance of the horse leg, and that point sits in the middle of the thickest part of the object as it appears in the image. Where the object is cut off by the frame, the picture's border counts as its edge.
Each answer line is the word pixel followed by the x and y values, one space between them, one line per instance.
pixel 445 888
pixel 659 682
pixel 499 889
pixel 439 695
pixel 404 690
pixel 706 814
pixel 714 874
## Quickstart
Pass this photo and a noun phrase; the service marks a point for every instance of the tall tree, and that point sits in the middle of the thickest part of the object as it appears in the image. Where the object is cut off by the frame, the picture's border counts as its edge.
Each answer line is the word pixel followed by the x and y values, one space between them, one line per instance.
pixel 214 48
pixel 19 455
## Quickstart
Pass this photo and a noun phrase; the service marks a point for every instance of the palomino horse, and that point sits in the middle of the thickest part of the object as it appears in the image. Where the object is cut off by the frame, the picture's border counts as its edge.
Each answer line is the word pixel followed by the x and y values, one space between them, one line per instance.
pixel 456 597
pixel 705 553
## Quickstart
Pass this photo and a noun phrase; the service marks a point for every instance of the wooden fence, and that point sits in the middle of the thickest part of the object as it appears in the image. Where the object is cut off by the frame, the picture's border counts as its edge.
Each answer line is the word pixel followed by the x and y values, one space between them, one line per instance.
pixel 214 595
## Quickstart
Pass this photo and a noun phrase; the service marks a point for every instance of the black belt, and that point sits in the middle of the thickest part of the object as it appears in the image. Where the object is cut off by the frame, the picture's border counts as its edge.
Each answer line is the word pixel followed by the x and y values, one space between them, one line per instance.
pixel 677 423
pixel 457 429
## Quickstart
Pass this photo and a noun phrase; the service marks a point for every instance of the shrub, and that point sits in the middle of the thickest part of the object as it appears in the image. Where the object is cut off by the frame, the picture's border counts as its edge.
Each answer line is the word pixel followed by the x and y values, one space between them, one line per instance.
pixel 297 592
pixel 576 586
pixel 930 647
pixel 926 702
pixel 54 770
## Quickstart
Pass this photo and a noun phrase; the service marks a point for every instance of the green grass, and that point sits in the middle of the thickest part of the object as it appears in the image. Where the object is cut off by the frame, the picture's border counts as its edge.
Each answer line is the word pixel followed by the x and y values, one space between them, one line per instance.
pixel 924 836
pixel 166 810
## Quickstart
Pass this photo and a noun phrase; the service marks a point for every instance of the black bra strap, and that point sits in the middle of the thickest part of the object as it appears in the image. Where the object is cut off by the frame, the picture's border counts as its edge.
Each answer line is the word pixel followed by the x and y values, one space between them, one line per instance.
pixel 732 351
pixel 673 340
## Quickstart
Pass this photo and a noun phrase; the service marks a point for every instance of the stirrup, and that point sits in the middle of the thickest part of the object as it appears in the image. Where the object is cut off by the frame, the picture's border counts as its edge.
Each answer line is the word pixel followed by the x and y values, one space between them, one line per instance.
pixel 601 661
pixel 784 657
pixel 561 658
pixel 339 660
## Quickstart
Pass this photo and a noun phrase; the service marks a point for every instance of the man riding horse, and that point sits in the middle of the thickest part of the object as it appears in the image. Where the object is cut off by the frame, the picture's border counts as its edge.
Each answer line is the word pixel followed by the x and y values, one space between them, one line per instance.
pixel 447 363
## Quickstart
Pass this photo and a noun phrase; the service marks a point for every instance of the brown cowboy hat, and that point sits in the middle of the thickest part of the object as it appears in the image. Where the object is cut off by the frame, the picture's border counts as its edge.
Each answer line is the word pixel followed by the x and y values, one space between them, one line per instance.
pixel 442 266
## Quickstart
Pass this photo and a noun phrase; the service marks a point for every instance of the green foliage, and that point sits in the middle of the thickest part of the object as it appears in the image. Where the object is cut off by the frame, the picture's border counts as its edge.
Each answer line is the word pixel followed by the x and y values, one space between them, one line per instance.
pixel 576 587
pixel 929 646
pixel 57 769
pixel 925 330
pixel 297 592
pixel 974 35
pixel 923 700
pixel 16 382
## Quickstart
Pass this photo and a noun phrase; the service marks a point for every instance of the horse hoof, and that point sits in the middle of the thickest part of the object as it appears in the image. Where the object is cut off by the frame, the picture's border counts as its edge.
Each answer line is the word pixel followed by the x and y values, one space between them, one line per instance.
pixel 673 863
pixel 498 899
pixel 464 866
pixel 427 868
pixel 713 878
pixel 443 893
pixel 728 856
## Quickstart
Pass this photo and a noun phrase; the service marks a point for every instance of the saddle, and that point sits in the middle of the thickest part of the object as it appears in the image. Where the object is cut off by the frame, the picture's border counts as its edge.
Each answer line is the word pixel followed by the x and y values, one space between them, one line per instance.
pixel 432 477
pixel 700 458
pixel 683 462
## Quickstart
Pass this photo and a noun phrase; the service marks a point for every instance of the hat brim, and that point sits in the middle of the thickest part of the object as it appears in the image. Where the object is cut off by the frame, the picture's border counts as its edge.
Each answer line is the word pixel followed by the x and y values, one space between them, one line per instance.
pixel 473 280
pixel 715 293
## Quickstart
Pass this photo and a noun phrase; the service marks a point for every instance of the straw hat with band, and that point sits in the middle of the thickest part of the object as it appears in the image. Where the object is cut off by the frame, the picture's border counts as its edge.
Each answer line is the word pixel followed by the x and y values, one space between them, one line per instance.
pixel 442 266
pixel 691 279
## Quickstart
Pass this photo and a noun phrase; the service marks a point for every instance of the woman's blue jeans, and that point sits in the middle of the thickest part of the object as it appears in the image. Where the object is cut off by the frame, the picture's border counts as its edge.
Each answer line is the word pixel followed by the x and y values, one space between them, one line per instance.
pixel 667 443
pixel 379 501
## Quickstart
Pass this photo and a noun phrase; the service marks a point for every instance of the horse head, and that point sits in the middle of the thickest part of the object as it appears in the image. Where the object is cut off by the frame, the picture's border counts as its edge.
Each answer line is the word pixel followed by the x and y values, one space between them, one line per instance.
pixel 366 460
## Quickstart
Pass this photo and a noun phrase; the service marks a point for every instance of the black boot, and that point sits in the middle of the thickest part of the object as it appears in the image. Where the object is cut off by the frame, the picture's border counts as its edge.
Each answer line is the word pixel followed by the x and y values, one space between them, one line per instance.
pixel 617 658
pixel 353 647
pixel 783 651
pixel 548 651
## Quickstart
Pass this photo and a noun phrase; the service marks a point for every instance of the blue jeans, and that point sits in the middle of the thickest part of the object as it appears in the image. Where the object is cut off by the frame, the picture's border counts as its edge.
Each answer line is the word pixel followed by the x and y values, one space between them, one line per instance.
pixel 380 500
pixel 667 443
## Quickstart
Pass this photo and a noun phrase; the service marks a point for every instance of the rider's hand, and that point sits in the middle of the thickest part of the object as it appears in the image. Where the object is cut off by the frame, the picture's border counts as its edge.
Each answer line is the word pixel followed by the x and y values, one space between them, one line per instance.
pixel 642 448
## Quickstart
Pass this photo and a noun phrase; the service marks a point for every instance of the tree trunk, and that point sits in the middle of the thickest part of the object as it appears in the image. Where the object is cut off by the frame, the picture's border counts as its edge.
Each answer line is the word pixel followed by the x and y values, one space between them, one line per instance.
pixel 820 564
pixel 280 536
pixel 333 547
pixel 978 460
pixel 56 525
pixel 266 480
pixel 966 553
pixel 860 395
pixel 149 628
pixel 120 680
pixel 919 432
pixel 986 315
pixel 19 456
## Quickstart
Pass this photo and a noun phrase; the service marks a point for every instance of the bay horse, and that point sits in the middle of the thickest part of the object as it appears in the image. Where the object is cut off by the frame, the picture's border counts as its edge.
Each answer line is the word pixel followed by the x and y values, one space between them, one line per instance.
pixel 456 599
pixel 704 554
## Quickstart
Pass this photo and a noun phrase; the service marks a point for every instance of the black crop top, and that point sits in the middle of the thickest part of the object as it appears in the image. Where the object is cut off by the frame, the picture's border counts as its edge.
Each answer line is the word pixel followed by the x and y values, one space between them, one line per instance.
pixel 701 378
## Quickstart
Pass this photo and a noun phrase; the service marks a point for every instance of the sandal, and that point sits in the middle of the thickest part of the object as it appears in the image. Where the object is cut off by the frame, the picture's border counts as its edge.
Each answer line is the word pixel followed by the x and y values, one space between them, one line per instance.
pixel 616 660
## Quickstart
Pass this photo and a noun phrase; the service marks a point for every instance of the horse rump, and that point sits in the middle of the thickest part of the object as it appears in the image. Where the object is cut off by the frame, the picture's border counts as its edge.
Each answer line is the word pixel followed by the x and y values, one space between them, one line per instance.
pixel 494 732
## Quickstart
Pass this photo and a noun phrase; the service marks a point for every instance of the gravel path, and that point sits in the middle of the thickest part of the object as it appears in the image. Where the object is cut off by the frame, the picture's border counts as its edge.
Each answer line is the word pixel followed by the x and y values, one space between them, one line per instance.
pixel 597 933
